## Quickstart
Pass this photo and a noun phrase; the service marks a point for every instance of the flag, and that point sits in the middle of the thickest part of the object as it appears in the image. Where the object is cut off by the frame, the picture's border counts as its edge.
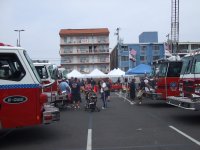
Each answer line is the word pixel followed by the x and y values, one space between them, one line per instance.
pixel 133 52
pixel 132 58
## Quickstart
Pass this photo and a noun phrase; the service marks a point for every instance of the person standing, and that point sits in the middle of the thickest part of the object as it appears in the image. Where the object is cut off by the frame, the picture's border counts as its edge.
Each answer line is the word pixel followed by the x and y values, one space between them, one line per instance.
pixel 64 87
pixel 108 84
pixel 103 94
pixel 141 90
pixel 76 95
pixel 132 89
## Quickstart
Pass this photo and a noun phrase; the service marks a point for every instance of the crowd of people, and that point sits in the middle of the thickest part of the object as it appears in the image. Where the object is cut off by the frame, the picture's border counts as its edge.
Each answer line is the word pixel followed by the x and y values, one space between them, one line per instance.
pixel 74 87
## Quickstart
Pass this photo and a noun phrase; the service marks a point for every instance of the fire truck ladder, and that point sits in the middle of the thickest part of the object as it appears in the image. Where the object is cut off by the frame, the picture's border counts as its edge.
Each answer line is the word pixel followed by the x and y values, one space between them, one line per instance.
pixel 175 24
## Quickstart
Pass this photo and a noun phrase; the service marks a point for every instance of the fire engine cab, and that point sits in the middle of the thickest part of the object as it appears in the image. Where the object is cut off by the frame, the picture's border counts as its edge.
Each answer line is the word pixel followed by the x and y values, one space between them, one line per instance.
pixel 165 76
pixel 189 84
pixel 22 102
pixel 50 76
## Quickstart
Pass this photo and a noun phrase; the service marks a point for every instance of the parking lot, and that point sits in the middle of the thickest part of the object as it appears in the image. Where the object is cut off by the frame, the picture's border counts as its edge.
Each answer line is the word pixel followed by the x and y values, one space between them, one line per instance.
pixel 122 126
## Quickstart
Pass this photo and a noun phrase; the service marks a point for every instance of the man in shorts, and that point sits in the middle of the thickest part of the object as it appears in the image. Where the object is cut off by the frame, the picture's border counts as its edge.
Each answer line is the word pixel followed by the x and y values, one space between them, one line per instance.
pixel 76 96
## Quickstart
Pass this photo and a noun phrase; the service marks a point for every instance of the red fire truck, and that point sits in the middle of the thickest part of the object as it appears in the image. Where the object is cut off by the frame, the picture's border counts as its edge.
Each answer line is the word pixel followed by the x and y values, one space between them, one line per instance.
pixel 22 102
pixel 165 79
pixel 189 84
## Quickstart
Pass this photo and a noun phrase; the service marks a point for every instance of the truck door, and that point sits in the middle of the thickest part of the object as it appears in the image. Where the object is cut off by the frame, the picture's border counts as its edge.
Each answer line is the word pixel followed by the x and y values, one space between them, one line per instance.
pixel 17 98
pixel 161 82
pixel 173 76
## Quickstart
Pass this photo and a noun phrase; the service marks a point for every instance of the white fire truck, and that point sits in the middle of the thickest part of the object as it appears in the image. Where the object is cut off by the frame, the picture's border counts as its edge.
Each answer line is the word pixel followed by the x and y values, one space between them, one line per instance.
pixel 189 84
pixel 22 102
pixel 50 75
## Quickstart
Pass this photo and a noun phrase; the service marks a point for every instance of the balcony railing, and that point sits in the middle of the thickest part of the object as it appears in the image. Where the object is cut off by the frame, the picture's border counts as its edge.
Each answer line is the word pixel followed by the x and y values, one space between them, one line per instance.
pixel 98 51
pixel 84 62
pixel 84 41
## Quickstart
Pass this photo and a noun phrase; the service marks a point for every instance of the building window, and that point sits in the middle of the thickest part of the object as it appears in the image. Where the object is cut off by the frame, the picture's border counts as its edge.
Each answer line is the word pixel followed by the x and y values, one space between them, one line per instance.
pixel 155 52
pixel 66 59
pixel 84 69
pixel 101 39
pixel 102 48
pixel 103 68
pixel 69 68
pixel 83 39
pixel 84 59
pixel 155 47
pixel 124 58
pixel 156 57
pixel 143 50
pixel 124 48
pixel 67 50
pixel 82 49
pixel 67 39
pixel 103 58
pixel 195 46
pixel 142 58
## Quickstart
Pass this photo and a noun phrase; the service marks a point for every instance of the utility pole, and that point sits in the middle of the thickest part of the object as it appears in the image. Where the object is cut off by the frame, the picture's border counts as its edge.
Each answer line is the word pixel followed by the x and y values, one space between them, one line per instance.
pixel 18 41
pixel 118 47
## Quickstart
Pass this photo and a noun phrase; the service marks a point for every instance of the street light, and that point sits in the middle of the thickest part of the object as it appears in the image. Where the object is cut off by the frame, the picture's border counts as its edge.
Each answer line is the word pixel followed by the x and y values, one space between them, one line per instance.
pixel 18 42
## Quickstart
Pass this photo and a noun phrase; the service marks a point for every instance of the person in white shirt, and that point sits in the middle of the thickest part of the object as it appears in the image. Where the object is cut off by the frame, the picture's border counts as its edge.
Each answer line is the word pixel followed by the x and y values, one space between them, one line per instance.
pixel 103 94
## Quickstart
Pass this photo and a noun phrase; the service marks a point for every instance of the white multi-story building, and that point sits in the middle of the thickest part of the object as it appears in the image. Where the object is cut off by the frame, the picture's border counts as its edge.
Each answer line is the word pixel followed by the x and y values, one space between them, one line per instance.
pixel 85 49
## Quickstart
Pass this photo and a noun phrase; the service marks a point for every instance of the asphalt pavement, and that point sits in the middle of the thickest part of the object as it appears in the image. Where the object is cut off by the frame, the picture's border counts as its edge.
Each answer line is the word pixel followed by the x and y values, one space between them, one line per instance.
pixel 124 125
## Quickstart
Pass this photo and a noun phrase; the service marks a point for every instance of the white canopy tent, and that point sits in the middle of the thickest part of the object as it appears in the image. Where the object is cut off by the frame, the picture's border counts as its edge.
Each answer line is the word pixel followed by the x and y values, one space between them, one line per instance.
pixel 111 72
pixel 75 74
pixel 116 73
pixel 96 73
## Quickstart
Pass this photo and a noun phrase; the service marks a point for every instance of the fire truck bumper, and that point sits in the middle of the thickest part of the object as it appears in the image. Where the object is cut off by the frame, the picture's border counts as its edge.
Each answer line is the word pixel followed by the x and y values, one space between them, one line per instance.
pixel 184 102
pixel 51 114
pixel 154 96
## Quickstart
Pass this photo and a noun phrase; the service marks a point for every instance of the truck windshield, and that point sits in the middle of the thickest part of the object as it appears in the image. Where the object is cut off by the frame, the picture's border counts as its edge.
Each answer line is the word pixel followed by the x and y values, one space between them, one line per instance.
pixel 42 71
pixel 53 71
pixel 174 69
pixel 187 62
pixel 196 66
pixel 32 67
pixel 162 70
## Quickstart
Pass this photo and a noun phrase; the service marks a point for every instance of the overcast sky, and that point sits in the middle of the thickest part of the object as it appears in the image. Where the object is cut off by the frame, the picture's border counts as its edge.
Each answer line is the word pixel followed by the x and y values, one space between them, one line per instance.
pixel 43 19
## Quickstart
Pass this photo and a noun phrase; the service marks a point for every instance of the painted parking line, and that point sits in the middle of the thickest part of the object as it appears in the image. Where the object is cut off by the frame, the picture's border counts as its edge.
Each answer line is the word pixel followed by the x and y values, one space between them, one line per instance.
pixel 185 135
pixel 125 98
pixel 89 136
pixel 89 140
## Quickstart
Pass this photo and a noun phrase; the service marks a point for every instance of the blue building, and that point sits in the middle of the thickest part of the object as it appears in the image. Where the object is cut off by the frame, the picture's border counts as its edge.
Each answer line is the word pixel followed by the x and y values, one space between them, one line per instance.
pixel 146 53
pixel 148 37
